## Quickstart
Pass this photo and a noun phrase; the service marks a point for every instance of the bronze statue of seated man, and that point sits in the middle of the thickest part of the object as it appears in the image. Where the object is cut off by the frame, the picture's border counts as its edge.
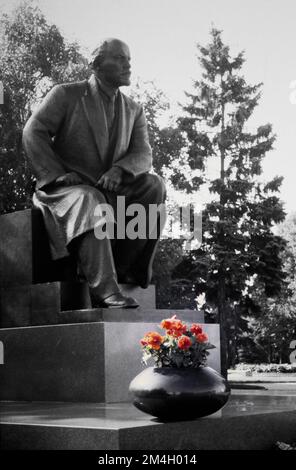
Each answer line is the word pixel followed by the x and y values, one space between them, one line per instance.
pixel 88 144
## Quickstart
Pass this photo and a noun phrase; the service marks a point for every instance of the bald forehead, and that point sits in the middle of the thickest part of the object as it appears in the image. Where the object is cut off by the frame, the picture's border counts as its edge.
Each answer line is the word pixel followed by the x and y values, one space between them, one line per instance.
pixel 115 46
pixel 109 47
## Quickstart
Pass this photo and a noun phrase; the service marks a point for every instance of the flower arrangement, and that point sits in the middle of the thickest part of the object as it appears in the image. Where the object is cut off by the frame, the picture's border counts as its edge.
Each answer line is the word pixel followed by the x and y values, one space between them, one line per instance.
pixel 179 346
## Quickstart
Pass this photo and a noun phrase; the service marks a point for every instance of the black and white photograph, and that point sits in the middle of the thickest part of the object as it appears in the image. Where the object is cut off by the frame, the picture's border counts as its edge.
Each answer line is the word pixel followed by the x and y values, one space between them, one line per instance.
pixel 147 229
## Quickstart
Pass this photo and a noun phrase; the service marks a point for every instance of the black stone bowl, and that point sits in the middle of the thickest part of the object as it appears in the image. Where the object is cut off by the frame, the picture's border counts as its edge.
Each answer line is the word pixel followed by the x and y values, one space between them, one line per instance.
pixel 173 394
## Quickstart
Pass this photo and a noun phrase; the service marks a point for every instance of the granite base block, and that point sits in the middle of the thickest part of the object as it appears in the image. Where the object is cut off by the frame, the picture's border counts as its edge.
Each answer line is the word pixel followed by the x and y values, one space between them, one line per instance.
pixel 19 437
pixel 29 305
pixel 75 295
pixel 90 362
pixel 45 304
pixel 121 426
pixel 61 363
pixel 25 256
pixel 16 248
pixel 123 315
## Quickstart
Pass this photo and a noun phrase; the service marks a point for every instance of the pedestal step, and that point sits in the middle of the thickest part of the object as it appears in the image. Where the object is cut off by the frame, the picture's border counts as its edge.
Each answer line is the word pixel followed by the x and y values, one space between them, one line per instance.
pixel 86 362
pixel 43 304
pixel 122 427
pixel 136 315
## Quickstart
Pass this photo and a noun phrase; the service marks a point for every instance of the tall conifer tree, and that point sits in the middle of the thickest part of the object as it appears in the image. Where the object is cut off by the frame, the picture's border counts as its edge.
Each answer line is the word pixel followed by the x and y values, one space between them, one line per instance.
pixel 239 246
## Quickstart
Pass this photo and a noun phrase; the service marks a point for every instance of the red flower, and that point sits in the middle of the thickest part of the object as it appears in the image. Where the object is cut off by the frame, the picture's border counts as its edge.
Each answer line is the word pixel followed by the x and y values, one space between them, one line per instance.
pixel 202 337
pixel 152 340
pixel 196 329
pixel 174 326
pixel 184 342
pixel 178 329
pixel 167 324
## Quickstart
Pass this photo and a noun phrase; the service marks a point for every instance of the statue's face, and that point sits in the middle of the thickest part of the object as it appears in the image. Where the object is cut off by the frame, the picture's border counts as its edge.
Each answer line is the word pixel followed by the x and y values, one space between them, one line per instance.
pixel 115 67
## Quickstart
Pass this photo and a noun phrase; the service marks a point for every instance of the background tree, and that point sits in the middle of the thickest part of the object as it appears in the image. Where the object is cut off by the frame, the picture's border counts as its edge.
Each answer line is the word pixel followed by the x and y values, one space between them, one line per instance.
pixel 239 247
pixel 167 140
pixel 273 326
pixel 33 57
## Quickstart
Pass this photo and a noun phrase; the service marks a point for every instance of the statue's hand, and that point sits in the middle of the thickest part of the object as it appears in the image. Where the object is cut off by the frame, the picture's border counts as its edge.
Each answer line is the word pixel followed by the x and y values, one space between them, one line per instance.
pixel 112 179
pixel 69 179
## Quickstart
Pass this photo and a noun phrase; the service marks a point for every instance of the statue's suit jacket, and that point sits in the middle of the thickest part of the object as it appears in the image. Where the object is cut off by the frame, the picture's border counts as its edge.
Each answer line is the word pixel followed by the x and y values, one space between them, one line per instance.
pixel 69 132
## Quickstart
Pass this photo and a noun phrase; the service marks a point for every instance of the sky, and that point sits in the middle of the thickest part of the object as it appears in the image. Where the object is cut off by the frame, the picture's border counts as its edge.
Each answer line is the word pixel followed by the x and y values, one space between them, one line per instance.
pixel 162 35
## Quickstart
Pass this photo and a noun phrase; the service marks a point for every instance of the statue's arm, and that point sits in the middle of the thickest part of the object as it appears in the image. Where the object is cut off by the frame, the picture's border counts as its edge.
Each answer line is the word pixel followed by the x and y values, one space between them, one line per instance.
pixel 38 133
pixel 138 158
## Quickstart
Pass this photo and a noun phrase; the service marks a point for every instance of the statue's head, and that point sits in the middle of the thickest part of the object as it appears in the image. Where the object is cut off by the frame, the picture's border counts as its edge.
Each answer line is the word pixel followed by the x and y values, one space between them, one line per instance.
pixel 111 62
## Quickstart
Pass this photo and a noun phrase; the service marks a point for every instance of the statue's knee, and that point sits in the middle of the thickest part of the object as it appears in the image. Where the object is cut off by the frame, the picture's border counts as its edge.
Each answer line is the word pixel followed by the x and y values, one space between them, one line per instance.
pixel 93 194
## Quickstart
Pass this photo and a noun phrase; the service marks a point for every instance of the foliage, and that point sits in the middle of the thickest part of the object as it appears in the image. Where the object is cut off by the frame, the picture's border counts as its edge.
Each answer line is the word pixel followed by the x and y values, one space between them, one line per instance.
pixel 273 323
pixel 180 346
pixel 239 247
pixel 166 141
pixel 33 57
pixel 171 293
pixel 267 368
pixel 284 446
pixel 273 328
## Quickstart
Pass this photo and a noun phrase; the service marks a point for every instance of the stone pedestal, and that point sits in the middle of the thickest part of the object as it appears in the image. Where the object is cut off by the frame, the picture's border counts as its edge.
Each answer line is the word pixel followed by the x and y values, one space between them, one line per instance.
pixel 58 302
pixel 24 252
pixel 86 362
pixel 93 426
pixel 56 348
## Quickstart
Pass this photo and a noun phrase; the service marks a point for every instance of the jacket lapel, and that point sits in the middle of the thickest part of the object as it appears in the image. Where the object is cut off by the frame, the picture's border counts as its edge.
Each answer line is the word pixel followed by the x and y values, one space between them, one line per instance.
pixel 96 116
pixel 124 129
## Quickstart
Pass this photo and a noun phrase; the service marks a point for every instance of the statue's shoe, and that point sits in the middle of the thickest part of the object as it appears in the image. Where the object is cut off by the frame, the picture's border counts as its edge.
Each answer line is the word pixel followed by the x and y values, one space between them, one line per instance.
pixel 117 301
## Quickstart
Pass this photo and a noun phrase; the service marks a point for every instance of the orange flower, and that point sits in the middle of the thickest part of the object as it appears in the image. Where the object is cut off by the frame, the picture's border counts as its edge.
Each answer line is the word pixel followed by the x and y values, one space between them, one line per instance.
pixel 184 342
pixel 177 329
pixel 174 326
pixel 196 329
pixel 167 324
pixel 202 337
pixel 152 340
